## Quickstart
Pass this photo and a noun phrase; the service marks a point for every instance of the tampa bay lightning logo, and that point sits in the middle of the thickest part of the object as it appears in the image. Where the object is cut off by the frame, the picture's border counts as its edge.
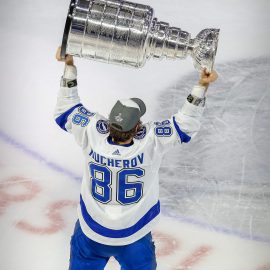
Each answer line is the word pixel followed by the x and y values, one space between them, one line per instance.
pixel 102 126
pixel 141 133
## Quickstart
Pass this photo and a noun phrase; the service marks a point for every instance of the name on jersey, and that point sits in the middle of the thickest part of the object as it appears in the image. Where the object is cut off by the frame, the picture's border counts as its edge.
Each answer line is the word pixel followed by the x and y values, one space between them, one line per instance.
pixel 118 163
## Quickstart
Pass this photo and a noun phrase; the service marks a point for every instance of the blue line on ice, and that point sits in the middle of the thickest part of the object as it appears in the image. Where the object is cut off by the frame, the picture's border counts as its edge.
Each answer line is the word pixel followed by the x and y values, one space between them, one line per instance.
pixel 35 155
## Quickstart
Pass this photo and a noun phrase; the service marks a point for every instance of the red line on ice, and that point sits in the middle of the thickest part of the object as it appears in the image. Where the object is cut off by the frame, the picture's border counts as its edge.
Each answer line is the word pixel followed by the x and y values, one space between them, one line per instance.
pixel 166 244
pixel 6 198
pixel 56 224
pixel 197 256
pixel 266 267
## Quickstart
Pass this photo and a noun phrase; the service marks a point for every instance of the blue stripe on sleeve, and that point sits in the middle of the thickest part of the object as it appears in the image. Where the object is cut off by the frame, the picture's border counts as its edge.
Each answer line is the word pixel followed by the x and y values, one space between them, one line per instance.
pixel 101 230
pixel 183 136
pixel 62 119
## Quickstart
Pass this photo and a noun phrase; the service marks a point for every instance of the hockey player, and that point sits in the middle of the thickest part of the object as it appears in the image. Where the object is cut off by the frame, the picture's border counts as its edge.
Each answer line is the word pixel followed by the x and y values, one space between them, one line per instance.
pixel 119 200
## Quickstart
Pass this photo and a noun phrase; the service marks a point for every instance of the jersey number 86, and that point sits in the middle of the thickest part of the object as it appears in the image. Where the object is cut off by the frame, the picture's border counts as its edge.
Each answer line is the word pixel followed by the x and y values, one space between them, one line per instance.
pixel 126 192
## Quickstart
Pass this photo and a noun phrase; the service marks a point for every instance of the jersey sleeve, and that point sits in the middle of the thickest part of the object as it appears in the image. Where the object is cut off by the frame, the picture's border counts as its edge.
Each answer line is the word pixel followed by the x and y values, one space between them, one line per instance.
pixel 180 128
pixel 69 113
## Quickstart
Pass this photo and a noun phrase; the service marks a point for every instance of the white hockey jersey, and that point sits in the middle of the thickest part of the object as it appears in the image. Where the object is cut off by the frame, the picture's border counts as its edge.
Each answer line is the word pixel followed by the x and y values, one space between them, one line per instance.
pixel 119 200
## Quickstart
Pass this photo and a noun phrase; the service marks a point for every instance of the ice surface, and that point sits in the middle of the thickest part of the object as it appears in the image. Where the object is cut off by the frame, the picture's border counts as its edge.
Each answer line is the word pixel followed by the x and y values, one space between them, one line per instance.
pixel 215 192
pixel 223 177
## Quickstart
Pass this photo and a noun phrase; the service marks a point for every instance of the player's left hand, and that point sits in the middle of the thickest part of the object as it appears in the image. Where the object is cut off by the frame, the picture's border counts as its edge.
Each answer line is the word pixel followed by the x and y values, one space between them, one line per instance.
pixel 207 77
pixel 68 59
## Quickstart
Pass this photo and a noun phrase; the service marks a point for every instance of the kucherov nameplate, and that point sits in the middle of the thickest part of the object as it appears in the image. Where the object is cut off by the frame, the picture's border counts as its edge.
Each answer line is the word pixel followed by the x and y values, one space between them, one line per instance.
pixel 127 33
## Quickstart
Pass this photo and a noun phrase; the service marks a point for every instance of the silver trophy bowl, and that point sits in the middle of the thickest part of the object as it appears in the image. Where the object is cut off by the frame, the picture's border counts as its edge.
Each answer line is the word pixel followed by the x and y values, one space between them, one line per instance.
pixel 126 33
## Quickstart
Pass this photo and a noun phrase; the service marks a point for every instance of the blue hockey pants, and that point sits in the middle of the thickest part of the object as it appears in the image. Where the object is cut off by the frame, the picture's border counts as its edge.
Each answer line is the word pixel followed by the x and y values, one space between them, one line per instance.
pixel 86 254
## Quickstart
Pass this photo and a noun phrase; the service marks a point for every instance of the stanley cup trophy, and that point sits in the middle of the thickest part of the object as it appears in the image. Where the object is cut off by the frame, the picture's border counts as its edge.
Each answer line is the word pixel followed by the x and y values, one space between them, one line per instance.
pixel 120 32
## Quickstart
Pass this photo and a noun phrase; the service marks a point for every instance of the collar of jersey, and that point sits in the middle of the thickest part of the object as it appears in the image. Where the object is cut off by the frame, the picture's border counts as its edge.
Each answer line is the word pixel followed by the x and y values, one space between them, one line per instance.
pixel 110 141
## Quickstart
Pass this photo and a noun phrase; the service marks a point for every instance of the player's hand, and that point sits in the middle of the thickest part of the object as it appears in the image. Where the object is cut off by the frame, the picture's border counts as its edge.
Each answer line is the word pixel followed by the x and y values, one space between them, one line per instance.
pixel 68 59
pixel 207 77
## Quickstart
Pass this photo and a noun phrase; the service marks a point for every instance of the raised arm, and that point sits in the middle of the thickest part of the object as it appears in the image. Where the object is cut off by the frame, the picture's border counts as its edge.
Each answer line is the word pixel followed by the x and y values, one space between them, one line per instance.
pixel 188 118
pixel 185 124
pixel 69 113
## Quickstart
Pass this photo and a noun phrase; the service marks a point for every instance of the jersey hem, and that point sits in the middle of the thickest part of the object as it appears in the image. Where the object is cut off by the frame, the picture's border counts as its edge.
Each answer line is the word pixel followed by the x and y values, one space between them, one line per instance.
pixel 115 241
pixel 120 233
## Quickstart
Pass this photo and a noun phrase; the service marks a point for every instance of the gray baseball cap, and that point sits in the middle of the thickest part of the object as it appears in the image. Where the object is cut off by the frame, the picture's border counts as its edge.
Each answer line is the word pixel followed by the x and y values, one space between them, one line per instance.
pixel 126 113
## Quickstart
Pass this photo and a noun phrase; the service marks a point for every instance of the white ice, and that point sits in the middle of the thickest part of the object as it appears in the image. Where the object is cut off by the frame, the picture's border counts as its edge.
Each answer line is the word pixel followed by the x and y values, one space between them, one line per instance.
pixel 215 191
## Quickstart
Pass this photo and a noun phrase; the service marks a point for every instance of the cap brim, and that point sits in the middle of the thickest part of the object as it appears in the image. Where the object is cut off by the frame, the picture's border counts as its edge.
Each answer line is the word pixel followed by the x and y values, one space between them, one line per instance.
pixel 141 104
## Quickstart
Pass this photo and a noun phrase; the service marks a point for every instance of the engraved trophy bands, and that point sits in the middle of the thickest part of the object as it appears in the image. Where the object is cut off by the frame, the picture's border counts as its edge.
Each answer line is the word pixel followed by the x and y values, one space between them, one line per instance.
pixel 126 33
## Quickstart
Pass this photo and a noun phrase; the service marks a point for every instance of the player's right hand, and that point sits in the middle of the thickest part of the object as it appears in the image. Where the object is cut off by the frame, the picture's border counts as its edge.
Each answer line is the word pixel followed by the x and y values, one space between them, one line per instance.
pixel 68 59
pixel 207 77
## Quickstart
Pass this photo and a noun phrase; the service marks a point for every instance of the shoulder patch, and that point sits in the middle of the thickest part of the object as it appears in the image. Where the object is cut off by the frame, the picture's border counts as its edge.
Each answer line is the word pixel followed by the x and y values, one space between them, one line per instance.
pixel 84 111
pixel 102 126
pixel 141 133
